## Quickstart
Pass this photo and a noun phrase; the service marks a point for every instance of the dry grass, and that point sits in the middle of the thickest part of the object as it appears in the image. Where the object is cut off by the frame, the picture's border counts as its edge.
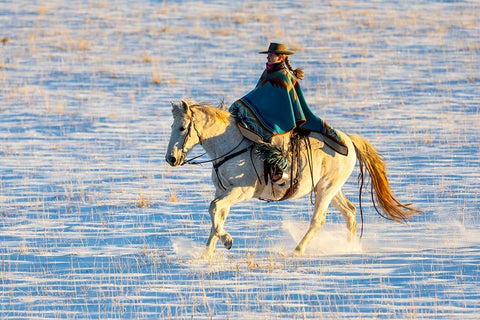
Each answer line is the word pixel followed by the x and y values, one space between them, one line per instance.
pixel 146 58
pixel 142 200
pixel 156 79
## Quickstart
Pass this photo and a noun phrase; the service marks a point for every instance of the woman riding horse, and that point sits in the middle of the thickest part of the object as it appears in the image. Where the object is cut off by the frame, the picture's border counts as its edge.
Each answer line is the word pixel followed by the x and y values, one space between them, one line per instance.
pixel 277 106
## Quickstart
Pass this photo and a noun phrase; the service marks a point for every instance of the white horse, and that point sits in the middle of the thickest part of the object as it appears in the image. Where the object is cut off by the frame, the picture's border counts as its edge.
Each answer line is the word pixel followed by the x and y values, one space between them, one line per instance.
pixel 238 174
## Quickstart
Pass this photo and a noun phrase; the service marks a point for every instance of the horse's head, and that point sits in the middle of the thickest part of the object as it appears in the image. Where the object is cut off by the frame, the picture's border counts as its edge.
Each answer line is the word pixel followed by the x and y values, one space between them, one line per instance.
pixel 184 135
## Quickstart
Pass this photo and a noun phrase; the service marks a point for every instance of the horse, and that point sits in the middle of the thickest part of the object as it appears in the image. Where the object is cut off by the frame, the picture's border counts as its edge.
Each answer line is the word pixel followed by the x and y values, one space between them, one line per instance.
pixel 237 172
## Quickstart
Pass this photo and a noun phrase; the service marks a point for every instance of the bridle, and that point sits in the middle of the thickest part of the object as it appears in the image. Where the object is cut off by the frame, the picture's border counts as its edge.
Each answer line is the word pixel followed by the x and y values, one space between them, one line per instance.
pixel 189 130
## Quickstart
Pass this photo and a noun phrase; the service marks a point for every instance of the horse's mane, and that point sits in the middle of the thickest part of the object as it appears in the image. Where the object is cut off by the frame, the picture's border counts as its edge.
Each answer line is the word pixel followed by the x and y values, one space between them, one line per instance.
pixel 218 112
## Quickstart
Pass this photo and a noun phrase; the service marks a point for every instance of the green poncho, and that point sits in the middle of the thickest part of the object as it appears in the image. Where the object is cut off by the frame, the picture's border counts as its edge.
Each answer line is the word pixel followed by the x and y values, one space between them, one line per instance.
pixel 277 106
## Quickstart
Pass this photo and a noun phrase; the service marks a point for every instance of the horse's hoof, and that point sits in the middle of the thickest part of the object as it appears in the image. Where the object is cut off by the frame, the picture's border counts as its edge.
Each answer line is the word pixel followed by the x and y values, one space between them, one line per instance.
pixel 227 241
pixel 297 252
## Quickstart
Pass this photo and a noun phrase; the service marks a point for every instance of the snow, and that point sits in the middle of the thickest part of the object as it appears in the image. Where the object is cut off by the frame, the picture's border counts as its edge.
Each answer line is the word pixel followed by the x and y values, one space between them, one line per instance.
pixel 96 225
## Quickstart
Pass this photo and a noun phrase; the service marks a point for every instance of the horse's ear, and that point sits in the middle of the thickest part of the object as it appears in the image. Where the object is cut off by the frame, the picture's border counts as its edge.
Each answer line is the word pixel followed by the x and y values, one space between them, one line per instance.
pixel 185 107
pixel 181 108
pixel 175 107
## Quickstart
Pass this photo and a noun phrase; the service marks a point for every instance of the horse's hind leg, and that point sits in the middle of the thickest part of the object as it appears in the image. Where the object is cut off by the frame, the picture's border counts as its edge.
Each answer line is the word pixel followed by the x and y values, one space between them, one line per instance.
pixel 317 221
pixel 348 211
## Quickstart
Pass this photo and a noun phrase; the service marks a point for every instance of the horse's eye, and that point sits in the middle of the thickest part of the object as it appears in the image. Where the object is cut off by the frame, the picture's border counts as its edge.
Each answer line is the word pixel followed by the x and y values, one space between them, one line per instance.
pixel 182 129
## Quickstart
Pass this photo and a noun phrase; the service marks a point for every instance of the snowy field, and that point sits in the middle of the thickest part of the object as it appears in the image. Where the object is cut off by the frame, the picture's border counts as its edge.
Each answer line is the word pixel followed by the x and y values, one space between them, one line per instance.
pixel 95 225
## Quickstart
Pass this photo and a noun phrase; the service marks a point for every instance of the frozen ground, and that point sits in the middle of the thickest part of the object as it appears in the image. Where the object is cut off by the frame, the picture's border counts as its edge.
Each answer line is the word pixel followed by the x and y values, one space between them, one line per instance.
pixel 95 225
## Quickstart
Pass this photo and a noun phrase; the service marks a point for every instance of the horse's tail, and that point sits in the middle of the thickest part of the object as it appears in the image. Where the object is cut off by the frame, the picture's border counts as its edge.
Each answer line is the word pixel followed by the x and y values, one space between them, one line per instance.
pixel 369 159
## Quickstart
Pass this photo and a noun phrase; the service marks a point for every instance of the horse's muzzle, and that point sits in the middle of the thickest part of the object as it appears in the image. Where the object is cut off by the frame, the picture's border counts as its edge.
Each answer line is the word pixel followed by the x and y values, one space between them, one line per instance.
pixel 170 160
pixel 173 161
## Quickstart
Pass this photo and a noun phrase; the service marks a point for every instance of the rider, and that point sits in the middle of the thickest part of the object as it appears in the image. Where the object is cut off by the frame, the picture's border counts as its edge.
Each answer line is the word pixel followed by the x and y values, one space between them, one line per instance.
pixel 277 106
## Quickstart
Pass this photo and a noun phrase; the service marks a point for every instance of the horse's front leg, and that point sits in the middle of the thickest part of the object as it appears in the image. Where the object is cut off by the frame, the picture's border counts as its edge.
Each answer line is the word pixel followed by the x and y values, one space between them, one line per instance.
pixel 219 209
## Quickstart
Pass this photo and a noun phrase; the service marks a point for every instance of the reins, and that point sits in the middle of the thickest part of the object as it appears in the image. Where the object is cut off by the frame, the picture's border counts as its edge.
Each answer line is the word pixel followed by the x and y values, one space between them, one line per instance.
pixel 230 156
pixel 227 156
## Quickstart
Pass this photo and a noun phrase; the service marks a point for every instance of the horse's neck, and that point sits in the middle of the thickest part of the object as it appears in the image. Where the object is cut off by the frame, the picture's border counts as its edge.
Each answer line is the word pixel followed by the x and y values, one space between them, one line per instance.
pixel 221 138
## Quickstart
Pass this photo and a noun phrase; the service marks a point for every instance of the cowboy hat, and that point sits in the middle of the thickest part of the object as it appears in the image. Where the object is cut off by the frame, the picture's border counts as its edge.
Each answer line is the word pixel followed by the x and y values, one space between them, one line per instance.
pixel 278 48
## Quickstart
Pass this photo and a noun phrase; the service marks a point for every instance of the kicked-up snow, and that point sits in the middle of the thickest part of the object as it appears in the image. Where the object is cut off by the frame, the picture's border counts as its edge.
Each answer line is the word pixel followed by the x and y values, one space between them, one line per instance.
pixel 95 225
